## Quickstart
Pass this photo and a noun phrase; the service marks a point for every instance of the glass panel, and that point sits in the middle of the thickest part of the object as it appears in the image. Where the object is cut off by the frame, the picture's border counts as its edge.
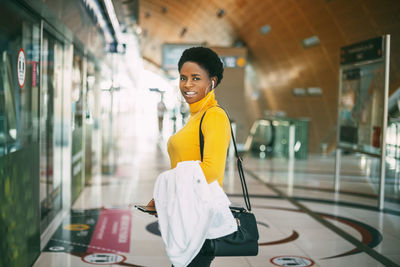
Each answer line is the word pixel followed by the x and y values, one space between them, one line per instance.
pixel 77 126
pixel 392 180
pixel 8 117
pixel 360 108
pixel 58 114
pixel 19 144
pixel 50 130
pixel 89 126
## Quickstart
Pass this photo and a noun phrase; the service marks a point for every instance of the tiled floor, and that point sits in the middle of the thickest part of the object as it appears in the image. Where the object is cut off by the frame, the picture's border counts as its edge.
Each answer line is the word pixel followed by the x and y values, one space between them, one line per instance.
pixel 278 188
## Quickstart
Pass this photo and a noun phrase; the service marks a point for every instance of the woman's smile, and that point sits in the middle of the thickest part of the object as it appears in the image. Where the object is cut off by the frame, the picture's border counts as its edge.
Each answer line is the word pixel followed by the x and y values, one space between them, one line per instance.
pixel 190 93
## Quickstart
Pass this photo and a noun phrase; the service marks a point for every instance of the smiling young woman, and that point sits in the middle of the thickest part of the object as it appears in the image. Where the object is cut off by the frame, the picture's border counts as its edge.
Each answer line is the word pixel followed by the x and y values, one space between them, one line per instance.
pixel 201 70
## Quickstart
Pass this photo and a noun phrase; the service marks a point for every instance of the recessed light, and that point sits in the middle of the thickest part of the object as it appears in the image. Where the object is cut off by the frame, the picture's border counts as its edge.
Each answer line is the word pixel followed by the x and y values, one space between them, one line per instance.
pixel 183 32
pixel 221 13
pixel 299 91
pixel 265 29
pixel 310 41
pixel 314 90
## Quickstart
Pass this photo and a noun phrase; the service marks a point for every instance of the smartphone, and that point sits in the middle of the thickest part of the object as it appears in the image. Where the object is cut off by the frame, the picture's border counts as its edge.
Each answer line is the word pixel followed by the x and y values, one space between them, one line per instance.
pixel 146 209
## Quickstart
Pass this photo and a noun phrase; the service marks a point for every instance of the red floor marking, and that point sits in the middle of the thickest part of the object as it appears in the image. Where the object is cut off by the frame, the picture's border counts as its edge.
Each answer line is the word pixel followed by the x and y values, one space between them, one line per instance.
pixel 113 231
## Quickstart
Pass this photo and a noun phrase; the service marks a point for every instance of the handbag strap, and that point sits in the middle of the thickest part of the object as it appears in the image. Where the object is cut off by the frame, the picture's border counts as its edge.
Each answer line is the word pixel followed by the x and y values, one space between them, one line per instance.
pixel 238 159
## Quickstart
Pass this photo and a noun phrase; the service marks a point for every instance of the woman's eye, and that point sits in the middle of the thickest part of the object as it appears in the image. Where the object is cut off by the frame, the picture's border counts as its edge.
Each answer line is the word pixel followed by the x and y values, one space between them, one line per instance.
pixel 183 78
pixel 196 79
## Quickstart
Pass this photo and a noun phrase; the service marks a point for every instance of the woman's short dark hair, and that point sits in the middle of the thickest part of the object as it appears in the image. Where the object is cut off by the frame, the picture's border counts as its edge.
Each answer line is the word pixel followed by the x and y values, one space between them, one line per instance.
pixel 206 58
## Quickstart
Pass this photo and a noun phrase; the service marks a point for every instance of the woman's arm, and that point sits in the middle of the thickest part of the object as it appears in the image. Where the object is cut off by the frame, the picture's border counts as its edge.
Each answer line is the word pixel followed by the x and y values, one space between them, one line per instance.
pixel 217 134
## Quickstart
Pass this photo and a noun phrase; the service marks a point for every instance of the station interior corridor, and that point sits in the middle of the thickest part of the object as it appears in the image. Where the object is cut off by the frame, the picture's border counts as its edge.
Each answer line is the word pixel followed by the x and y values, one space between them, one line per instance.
pixel 312 88
pixel 301 220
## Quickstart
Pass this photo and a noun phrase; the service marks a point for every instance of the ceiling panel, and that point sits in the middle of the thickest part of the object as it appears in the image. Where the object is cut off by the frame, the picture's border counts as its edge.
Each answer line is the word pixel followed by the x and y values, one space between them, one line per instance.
pixel 278 57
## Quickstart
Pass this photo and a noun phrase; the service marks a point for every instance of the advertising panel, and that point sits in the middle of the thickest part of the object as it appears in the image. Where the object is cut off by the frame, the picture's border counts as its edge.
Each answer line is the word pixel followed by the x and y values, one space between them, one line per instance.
pixel 171 54
pixel 361 96
pixel 363 103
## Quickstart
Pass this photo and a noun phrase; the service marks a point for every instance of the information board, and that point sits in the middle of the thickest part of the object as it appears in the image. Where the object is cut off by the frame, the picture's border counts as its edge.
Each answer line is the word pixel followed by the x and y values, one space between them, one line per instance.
pixel 361 96
pixel 171 54
pixel 363 103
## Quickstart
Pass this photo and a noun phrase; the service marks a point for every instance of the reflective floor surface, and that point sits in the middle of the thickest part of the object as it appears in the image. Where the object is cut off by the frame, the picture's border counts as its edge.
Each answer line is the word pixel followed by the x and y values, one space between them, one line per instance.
pixel 301 220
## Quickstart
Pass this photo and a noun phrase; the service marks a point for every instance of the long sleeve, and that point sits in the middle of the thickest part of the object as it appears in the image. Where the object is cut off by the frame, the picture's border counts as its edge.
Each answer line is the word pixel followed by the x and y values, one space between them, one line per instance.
pixel 217 134
pixel 185 144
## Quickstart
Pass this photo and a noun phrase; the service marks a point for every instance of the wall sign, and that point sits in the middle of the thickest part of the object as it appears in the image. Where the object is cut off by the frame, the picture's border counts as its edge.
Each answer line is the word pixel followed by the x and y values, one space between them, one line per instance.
pixel 363 51
pixel 171 54
pixel 21 68
pixel 233 61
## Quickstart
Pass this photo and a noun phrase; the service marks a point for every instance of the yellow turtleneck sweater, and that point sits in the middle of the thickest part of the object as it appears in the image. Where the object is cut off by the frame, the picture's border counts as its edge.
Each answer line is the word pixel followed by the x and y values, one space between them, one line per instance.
pixel 185 144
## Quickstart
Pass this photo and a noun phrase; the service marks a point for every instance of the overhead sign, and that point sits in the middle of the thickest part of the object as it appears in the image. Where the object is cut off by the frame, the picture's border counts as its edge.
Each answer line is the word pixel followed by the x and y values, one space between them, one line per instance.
pixel 367 50
pixel 171 53
pixel 21 68
pixel 233 61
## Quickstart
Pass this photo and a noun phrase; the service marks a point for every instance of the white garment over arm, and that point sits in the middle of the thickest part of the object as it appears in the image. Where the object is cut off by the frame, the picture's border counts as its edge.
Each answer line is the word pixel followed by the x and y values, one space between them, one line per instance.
pixel 190 211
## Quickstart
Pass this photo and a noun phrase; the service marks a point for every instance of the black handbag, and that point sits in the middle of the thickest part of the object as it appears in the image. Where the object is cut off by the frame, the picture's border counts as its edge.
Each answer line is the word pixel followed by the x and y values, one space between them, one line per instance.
pixel 243 242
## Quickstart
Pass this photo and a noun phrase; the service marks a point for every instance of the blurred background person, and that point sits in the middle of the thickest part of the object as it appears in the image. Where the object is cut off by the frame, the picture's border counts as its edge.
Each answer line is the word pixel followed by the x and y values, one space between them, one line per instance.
pixel 161 108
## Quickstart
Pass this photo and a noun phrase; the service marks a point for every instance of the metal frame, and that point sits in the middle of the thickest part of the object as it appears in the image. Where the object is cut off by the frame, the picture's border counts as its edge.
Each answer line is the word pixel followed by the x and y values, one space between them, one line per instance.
pixel 382 155
pixel 381 202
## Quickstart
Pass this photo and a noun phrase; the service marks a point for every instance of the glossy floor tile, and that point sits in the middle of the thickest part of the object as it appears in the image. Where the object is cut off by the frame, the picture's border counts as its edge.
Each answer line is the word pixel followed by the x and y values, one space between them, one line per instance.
pixel 297 211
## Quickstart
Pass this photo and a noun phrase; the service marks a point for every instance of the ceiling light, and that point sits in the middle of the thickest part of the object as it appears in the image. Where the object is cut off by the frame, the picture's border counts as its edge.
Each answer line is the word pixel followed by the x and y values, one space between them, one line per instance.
pixel 299 91
pixel 238 43
pixel 183 32
pixel 221 13
pixel 310 41
pixel 114 21
pixel 314 91
pixel 98 15
pixel 265 29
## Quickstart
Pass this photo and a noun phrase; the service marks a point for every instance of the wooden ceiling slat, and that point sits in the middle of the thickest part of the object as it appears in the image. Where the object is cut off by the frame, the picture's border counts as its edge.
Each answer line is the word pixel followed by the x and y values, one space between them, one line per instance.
pixel 278 57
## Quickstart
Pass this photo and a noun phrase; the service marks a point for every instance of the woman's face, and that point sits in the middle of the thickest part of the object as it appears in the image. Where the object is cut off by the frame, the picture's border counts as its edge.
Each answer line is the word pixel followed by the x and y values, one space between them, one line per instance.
pixel 195 82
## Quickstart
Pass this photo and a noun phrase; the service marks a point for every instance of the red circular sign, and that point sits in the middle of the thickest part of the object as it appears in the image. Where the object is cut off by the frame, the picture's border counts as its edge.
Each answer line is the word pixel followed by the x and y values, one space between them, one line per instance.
pixel 21 68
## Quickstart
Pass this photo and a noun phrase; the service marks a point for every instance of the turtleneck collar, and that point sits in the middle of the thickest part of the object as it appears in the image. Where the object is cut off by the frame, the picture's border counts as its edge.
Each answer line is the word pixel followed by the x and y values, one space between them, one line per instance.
pixel 206 102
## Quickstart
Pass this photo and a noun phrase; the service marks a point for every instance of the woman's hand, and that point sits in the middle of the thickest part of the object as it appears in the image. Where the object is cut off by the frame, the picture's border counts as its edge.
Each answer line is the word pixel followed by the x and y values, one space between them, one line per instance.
pixel 151 203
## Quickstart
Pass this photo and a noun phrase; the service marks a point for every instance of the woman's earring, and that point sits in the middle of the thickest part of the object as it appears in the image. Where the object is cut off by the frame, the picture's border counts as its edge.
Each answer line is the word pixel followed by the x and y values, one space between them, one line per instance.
pixel 212 85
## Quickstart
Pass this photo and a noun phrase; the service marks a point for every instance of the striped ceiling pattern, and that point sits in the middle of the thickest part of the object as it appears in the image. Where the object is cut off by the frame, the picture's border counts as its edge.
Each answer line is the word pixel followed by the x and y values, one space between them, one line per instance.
pixel 273 32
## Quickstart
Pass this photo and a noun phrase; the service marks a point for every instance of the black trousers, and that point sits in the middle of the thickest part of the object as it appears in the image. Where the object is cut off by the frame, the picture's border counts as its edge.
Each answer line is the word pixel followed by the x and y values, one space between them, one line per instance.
pixel 202 259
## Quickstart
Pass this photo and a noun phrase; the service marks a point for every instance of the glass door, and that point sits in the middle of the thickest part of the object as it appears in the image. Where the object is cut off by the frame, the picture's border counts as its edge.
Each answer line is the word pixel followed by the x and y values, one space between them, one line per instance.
pixel 78 113
pixel 51 129
pixel 19 141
